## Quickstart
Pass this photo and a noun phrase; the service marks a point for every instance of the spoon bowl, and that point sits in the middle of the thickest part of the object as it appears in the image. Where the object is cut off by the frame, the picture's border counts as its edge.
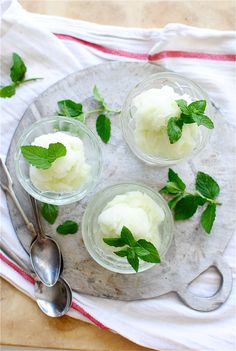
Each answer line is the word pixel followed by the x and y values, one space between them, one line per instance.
pixel 54 301
pixel 45 253
pixel 46 260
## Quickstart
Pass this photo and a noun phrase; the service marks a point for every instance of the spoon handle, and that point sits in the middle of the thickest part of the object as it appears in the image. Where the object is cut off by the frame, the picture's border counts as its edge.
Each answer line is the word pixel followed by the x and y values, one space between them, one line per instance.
pixel 37 217
pixel 12 256
pixel 9 189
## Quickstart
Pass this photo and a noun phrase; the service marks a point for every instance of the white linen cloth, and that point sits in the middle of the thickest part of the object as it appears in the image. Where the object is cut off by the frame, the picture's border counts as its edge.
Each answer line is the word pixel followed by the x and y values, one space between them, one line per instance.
pixel 206 56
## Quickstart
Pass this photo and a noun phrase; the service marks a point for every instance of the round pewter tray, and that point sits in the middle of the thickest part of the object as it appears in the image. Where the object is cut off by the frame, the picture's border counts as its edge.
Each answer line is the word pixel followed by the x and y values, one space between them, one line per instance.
pixel 191 252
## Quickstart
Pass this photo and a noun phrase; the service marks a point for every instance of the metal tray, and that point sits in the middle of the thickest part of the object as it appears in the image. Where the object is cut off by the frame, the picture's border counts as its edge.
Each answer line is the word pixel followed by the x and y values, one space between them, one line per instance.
pixel 191 252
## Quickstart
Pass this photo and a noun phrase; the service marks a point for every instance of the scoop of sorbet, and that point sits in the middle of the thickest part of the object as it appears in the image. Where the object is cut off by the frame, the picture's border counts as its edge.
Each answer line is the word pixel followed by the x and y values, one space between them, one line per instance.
pixel 134 210
pixel 151 111
pixel 66 173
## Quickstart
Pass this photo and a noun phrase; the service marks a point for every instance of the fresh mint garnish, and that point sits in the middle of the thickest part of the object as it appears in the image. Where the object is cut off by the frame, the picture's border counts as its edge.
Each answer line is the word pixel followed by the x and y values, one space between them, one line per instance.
pixel 207 186
pixel 192 113
pixel 75 110
pixel 70 108
pixel 41 157
pixel 134 250
pixel 68 227
pixel 17 75
pixel 103 127
pixel 184 204
pixel 49 212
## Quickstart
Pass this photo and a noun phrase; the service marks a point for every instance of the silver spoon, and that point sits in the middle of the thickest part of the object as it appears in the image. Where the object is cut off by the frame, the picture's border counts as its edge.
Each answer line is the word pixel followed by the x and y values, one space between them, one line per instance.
pixel 54 301
pixel 45 253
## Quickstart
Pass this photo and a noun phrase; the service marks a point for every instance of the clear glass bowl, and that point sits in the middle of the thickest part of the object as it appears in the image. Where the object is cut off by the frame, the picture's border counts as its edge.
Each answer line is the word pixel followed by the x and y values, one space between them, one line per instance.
pixel 101 252
pixel 181 85
pixel 92 152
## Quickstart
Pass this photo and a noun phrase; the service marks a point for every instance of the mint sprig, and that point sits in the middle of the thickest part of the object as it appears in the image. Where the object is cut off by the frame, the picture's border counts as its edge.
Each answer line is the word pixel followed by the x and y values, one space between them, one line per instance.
pixel 17 75
pixel 69 108
pixel 134 249
pixel 192 113
pixel 41 157
pixel 184 204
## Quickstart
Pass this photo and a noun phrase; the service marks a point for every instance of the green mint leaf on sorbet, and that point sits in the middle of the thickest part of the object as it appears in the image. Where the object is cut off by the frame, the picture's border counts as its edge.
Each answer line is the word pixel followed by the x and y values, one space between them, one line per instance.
pixel 208 217
pixel 134 250
pixel 183 106
pixel 68 227
pixel 8 91
pixel 152 255
pixel 127 237
pixel 207 186
pixel 49 212
pixel 132 258
pixel 103 127
pixel 121 253
pixel 41 157
pixel 184 204
pixel 70 108
pixel 17 75
pixel 198 106
pixel 174 129
pixel 192 113
pixel 18 68
pixel 117 242
pixel 203 120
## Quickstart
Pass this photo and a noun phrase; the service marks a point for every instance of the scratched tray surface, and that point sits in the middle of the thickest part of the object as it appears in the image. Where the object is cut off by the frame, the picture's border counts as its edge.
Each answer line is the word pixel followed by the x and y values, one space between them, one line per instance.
pixel 192 251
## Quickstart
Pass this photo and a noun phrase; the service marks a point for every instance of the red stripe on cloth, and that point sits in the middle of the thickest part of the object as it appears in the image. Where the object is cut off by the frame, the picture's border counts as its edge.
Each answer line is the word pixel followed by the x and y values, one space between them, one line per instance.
pixel 144 56
pixel 80 309
pixel 74 305
pixel 104 49
pixel 192 55
pixel 17 269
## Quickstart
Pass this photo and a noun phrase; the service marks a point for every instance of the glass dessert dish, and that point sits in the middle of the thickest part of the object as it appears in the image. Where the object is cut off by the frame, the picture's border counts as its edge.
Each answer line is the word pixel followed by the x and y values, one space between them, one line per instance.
pixel 91 229
pixel 199 135
pixel 91 157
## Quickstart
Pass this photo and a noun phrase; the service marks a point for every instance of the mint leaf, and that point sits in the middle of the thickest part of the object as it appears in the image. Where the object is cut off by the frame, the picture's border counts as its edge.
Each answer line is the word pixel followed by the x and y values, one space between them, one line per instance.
pixel 56 150
pixel 127 236
pixel 183 106
pixel 41 157
pixel 170 188
pixel 153 255
pixel 174 129
pixel 121 253
pixel 172 203
pixel 198 106
pixel 70 108
pixel 117 242
pixel 185 208
pixel 203 120
pixel 98 97
pixel 49 212
pixel 200 200
pixel 18 69
pixel 132 259
pixel 173 177
pixel 103 127
pixel 8 91
pixel 208 216
pixel 140 251
pixel 207 186
pixel 36 155
pixel 68 227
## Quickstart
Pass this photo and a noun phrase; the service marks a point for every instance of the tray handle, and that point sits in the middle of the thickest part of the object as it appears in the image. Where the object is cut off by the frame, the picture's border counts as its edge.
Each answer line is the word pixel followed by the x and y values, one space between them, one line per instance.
pixel 207 304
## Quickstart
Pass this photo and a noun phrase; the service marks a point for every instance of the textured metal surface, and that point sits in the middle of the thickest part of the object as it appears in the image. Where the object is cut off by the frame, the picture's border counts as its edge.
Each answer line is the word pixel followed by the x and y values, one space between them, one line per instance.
pixel 191 252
